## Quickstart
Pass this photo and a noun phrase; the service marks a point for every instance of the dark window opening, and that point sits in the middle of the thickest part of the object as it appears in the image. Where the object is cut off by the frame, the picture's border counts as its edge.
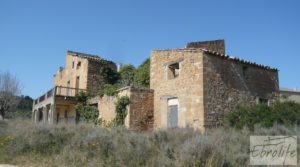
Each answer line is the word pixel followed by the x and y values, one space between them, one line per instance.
pixel 245 70
pixel 173 71
pixel 73 64
pixel 78 65
pixel 263 101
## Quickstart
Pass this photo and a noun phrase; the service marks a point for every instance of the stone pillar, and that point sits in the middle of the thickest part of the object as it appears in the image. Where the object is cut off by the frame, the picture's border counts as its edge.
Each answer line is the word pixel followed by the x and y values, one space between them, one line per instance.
pixel 53 114
pixel 45 114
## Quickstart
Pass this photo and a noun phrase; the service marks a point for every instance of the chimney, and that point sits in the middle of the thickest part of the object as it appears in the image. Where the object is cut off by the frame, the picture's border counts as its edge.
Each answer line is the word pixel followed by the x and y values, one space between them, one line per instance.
pixel 216 45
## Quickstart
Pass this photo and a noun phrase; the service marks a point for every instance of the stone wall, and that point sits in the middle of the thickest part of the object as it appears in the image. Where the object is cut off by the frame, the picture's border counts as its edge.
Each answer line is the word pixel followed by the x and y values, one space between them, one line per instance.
pixel 187 87
pixel 228 83
pixel 71 71
pixel 217 45
pixel 94 76
pixel 139 111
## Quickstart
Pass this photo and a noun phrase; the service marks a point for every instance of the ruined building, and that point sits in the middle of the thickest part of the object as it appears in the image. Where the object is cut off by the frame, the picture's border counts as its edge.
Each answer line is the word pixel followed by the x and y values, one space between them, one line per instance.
pixel 198 84
pixel 82 72
pixel 192 86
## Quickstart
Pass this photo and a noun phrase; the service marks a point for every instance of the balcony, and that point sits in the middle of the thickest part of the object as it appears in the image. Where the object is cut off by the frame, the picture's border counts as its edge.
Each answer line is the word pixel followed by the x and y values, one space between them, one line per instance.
pixel 58 91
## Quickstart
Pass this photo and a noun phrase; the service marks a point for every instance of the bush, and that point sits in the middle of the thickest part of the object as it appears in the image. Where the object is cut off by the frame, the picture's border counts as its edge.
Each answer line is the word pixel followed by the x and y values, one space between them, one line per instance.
pixel 285 113
pixel 28 144
pixel 84 111
pixel 108 89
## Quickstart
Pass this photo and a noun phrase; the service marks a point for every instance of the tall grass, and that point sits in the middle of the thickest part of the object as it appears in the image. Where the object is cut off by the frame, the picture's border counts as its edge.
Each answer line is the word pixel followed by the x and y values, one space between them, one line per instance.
pixel 24 143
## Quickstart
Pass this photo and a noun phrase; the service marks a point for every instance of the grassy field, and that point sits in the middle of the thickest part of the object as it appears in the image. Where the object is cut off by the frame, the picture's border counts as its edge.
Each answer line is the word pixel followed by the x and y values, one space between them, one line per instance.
pixel 24 143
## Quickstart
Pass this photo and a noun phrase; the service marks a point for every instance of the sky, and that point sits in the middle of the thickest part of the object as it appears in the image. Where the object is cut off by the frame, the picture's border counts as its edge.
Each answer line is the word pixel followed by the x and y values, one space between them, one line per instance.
pixel 35 34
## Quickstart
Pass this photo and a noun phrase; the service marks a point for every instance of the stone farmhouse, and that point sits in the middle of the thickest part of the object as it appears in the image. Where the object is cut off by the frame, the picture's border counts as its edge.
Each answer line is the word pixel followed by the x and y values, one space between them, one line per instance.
pixel 81 73
pixel 191 86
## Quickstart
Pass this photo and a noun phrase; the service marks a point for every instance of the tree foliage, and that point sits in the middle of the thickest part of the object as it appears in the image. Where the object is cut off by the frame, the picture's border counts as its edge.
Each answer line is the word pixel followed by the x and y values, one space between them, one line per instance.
pixel 127 75
pixel 9 90
pixel 109 89
pixel 110 76
pixel 286 113
pixel 142 74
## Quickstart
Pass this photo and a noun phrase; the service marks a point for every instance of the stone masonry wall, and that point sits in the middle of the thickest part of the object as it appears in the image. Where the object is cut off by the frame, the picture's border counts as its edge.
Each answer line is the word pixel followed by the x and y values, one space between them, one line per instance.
pixel 139 111
pixel 94 75
pixel 187 87
pixel 228 83
pixel 70 72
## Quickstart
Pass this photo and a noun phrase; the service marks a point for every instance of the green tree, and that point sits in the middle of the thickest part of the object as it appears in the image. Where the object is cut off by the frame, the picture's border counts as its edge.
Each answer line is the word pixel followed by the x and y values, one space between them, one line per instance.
pixel 142 74
pixel 127 75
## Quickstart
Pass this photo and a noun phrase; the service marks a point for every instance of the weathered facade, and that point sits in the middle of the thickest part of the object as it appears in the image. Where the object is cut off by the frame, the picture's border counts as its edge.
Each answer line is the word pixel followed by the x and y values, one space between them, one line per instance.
pixel 139 111
pixel 195 86
pixel 289 94
pixel 82 72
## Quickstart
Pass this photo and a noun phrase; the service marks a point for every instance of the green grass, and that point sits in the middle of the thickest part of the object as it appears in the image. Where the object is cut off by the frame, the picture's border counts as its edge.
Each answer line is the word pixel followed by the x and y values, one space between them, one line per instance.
pixel 24 143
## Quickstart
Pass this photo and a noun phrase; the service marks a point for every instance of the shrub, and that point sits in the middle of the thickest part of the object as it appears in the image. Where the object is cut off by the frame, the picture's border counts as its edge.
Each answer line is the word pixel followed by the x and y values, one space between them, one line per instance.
pixel 286 113
pixel 86 145
pixel 84 111
pixel 108 89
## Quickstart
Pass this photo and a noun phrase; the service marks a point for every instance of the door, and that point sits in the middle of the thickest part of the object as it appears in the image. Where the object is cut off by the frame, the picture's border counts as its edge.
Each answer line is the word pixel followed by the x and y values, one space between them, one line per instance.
pixel 172 116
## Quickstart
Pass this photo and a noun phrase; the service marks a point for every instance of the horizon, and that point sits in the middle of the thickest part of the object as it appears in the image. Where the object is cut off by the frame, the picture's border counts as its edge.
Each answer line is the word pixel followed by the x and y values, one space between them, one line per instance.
pixel 35 35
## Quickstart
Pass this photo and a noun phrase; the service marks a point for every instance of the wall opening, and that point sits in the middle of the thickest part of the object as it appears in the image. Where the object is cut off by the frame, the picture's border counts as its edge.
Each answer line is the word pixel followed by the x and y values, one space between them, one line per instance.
pixel 78 65
pixel 172 113
pixel 173 70
pixel 245 72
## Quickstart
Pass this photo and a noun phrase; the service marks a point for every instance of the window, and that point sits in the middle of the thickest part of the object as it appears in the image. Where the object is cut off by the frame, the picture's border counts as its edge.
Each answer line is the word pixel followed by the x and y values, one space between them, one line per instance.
pixel 263 101
pixel 78 65
pixel 173 71
pixel 73 64
pixel 245 70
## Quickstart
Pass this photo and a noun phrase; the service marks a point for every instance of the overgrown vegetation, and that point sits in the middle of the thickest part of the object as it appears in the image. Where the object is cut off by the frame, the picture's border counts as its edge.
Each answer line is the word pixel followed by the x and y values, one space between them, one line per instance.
pixel 28 144
pixel 142 74
pixel 127 76
pixel 121 110
pixel 84 111
pixel 285 113
pixel 121 113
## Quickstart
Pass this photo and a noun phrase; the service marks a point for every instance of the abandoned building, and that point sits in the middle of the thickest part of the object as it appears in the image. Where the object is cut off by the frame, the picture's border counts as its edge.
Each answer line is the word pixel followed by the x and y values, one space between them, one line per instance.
pixel 196 85
pixel 191 86
pixel 287 94
pixel 82 72
pixel 139 111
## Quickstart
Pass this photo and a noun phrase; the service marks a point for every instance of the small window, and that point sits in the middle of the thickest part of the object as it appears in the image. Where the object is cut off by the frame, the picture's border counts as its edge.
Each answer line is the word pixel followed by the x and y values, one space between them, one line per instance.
pixel 245 70
pixel 263 101
pixel 173 71
pixel 73 64
pixel 78 65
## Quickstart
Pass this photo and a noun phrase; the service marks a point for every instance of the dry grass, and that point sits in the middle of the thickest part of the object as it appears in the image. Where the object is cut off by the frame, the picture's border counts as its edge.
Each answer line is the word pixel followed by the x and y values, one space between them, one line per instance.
pixel 22 142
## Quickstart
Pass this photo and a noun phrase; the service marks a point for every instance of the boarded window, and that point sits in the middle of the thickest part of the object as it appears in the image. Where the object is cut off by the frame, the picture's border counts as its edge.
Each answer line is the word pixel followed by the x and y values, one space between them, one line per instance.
pixel 173 71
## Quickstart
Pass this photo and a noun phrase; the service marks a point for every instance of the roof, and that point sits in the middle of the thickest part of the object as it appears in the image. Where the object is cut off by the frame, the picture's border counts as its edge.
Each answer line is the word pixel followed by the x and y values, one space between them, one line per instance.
pixel 225 56
pixel 289 90
pixel 87 56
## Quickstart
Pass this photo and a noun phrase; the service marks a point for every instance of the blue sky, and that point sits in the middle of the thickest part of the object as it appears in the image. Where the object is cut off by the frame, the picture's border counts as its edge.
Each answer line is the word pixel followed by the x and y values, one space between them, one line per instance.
pixel 34 35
